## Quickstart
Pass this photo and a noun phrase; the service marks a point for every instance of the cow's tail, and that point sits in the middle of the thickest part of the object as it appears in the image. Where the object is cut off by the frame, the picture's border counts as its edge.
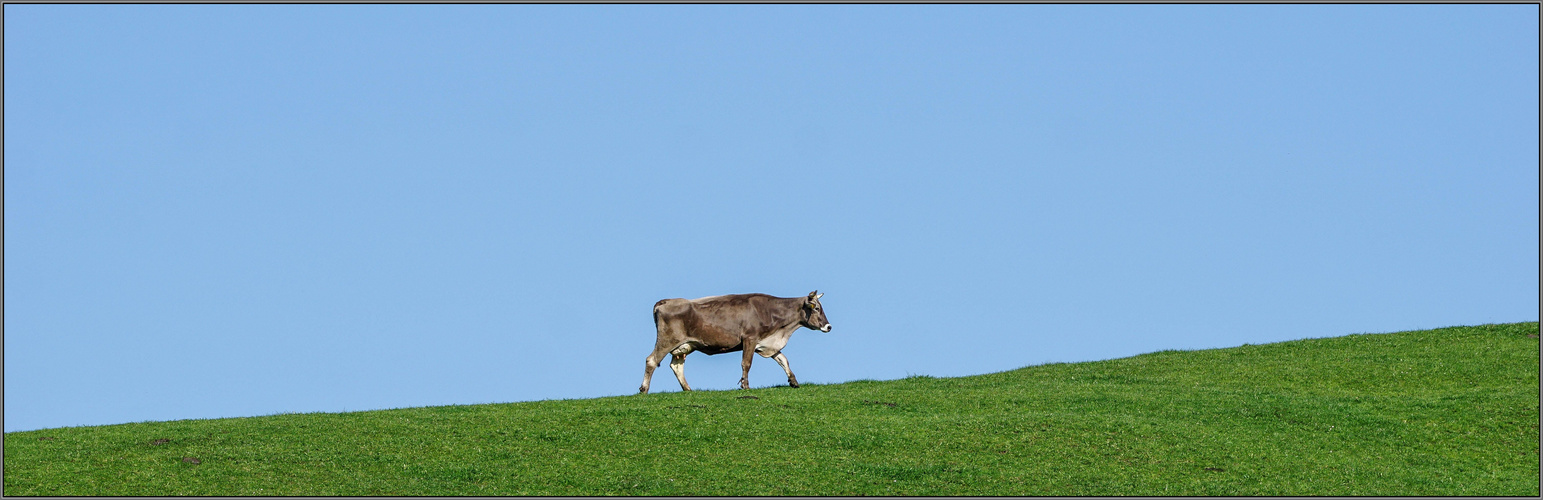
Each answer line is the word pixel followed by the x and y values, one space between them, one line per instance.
pixel 656 311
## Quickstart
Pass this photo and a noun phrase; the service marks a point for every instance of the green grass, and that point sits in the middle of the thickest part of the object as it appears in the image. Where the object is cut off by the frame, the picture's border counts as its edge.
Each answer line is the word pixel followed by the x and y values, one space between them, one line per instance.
pixel 1452 411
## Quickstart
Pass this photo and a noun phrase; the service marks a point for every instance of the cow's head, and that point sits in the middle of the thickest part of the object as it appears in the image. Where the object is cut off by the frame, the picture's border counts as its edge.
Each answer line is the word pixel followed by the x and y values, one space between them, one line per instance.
pixel 814 315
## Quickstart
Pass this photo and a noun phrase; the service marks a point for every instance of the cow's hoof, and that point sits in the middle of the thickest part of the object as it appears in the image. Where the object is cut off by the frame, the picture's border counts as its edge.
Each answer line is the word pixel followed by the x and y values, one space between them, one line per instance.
pixel 642 390
pixel 793 383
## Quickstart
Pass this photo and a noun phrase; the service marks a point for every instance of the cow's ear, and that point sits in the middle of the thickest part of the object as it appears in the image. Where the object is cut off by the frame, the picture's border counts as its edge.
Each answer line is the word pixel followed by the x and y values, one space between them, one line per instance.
pixel 814 295
pixel 817 296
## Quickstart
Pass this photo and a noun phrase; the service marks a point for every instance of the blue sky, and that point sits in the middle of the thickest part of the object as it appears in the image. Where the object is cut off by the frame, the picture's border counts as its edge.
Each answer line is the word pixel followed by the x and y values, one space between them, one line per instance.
pixel 239 210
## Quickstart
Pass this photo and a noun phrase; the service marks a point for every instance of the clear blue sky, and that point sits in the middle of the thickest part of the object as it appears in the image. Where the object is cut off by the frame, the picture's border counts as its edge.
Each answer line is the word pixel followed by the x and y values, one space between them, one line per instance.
pixel 239 210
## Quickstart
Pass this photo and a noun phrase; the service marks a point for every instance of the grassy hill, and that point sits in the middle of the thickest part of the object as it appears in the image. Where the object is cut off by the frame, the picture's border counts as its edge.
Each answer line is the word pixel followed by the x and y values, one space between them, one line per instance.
pixel 1452 411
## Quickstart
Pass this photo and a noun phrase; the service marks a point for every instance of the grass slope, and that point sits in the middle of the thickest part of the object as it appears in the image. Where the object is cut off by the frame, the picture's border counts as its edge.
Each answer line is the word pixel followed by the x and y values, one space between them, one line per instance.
pixel 1452 411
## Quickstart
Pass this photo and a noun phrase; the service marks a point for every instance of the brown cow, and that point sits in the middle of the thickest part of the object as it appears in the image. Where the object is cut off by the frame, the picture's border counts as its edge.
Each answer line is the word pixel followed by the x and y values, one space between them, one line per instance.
pixel 755 323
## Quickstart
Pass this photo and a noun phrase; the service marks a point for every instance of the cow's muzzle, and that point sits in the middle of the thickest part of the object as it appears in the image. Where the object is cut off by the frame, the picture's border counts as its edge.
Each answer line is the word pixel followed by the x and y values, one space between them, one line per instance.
pixel 825 328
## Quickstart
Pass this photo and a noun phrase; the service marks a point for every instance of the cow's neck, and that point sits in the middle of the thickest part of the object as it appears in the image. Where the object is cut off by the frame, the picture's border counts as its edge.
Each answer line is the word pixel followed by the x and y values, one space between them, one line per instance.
pixel 786 313
pixel 785 316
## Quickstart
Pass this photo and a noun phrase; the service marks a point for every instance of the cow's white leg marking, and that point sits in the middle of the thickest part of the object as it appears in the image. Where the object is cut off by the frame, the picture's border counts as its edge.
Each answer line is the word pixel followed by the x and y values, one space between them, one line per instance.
pixel 678 363
pixel 783 360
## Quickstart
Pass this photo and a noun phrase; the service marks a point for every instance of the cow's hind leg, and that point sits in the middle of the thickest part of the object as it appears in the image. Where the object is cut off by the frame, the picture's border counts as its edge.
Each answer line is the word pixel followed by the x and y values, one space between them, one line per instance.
pixel 783 360
pixel 649 365
pixel 678 364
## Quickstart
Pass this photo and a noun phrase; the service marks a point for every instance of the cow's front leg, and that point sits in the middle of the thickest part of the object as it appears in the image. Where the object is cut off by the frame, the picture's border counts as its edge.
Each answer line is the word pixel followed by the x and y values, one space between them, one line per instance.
pixel 744 366
pixel 783 360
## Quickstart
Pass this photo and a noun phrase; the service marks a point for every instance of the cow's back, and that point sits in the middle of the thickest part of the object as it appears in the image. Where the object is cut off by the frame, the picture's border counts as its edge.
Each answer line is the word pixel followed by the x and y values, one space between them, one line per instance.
pixel 736 315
